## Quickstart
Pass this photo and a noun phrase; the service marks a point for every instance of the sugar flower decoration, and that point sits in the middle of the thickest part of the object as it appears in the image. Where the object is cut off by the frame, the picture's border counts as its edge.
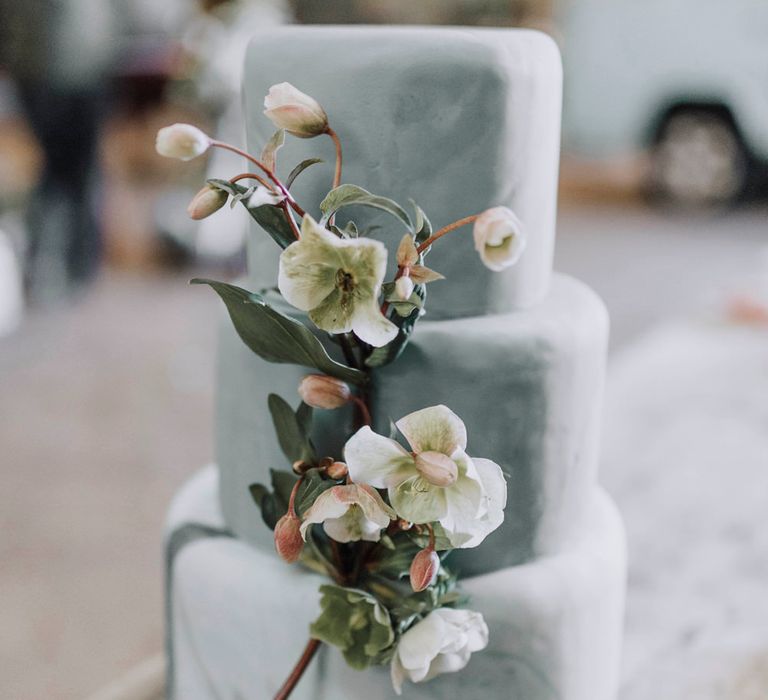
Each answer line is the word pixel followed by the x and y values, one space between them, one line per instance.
pixel 499 238
pixel 338 281
pixel 182 141
pixel 299 114
pixel 437 481
pixel 349 513
pixel 440 643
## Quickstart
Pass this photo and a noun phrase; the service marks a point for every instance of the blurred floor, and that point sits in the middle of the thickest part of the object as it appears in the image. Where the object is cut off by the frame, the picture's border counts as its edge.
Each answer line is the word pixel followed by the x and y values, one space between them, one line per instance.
pixel 107 407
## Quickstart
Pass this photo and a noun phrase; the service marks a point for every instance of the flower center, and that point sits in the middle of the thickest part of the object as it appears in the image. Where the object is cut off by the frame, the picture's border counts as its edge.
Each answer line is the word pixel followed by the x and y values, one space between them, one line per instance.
pixel 345 281
pixel 438 469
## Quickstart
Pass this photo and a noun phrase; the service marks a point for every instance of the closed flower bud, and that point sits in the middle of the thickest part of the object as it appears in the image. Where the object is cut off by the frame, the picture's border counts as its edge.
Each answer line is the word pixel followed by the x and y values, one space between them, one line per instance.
pixel 292 110
pixel 499 238
pixel 322 391
pixel 182 141
pixel 438 469
pixel 424 568
pixel 288 540
pixel 207 201
pixel 300 467
pixel 337 470
pixel 404 288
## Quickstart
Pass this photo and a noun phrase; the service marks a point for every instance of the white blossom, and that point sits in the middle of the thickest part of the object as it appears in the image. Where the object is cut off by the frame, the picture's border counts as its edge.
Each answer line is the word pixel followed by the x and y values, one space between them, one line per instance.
pixel 436 481
pixel 499 238
pixel 440 643
pixel 295 111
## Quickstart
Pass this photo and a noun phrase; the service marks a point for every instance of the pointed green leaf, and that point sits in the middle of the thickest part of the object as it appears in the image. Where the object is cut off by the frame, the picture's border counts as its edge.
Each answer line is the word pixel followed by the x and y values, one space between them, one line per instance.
pixel 347 195
pixel 292 436
pixel 311 487
pixel 276 337
pixel 269 153
pixel 300 168
pixel 422 227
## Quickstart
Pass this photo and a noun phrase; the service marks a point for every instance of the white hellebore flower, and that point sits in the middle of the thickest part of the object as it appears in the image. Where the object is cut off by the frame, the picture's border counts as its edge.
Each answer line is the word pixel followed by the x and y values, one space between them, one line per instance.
pixel 297 113
pixel 182 141
pixel 499 238
pixel 437 481
pixel 440 643
pixel 349 513
pixel 338 281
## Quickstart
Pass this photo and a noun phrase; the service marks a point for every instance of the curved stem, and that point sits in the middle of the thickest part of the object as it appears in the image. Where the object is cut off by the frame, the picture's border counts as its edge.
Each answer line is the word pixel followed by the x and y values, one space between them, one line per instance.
pixel 252 176
pixel 337 143
pixel 298 670
pixel 284 206
pixel 267 171
pixel 366 414
pixel 446 229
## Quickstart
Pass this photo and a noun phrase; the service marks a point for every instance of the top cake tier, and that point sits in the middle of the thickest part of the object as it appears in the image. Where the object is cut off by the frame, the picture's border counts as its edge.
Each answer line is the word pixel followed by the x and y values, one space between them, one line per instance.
pixel 459 120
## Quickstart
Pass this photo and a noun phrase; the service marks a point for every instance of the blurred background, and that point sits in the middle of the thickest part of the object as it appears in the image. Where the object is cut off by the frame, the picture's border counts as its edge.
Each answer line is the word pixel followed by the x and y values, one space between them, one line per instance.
pixel 106 355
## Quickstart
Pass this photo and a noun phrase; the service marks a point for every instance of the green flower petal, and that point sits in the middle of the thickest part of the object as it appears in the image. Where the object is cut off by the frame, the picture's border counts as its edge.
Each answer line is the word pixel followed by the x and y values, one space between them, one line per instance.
pixel 435 428
pixel 418 501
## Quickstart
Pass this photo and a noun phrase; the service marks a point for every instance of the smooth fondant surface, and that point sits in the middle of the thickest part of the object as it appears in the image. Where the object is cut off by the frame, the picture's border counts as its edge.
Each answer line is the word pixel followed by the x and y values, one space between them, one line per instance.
pixel 457 119
pixel 527 384
pixel 240 620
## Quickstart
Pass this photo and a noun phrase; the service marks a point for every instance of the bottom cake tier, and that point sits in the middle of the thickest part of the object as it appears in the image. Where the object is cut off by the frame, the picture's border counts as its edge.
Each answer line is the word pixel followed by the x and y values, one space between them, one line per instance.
pixel 238 618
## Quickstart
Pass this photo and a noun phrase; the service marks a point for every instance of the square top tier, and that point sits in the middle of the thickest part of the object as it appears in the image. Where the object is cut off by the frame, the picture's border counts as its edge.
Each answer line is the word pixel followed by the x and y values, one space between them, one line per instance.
pixel 456 119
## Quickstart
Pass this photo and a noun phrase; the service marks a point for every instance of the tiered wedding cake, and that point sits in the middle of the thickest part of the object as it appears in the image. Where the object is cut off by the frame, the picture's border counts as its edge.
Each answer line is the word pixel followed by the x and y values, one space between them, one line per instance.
pixel 461 120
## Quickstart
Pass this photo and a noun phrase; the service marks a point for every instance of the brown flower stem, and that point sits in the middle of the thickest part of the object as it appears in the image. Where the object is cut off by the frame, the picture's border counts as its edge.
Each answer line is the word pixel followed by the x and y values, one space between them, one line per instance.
pixel 363 408
pixel 284 206
pixel 298 670
pixel 252 176
pixel 267 171
pixel 446 229
pixel 337 144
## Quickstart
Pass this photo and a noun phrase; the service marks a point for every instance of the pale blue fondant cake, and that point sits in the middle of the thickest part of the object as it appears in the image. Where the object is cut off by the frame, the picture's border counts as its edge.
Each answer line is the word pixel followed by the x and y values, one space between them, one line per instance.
pixel 461 120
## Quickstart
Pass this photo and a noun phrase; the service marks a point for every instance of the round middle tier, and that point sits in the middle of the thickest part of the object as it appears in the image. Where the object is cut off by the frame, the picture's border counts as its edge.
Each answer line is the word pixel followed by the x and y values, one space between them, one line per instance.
pixel 528 385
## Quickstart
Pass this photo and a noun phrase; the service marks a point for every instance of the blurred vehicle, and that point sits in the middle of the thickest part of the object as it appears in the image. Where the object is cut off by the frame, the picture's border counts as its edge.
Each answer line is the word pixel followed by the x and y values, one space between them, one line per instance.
pixel 685 79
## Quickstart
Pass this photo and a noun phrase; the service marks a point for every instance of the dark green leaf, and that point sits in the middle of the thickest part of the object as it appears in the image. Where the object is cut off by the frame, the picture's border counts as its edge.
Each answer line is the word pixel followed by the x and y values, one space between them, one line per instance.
pixel 282 484
pixel 347 195
pixel 269 154
pixel 422 227
pixel 312 485
pixel 276 337
pixel 299 169
pixel 271 218
pixel 293 437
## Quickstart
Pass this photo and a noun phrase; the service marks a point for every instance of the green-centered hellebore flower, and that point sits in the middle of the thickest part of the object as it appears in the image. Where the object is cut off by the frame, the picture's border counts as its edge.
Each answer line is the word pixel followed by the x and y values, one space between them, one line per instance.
pixel 356 623
pixel 338 281
pixel 440 643
pixel 437 481
pixel 349 513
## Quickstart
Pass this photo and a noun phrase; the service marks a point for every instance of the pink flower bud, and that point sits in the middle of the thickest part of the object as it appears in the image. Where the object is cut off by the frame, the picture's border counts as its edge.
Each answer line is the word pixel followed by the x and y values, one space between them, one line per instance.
pixel 207 201
pixel 322 391
pixel 182 141
pixel 499 238
pixel 288 540
pixel 296 112
pixel 424 568
pixel 337 470
pixel 404 288
pixel 438 469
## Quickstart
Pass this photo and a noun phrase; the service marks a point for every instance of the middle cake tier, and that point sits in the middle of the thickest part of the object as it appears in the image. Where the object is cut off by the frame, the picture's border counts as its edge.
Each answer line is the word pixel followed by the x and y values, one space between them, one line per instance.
pixel 528 386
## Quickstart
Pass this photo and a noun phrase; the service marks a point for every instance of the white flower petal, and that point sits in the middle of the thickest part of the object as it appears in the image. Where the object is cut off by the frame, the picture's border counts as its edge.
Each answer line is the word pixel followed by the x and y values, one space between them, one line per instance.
pixel 371 326
pixel 326 506
pixel 435 428
pixel 376 460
